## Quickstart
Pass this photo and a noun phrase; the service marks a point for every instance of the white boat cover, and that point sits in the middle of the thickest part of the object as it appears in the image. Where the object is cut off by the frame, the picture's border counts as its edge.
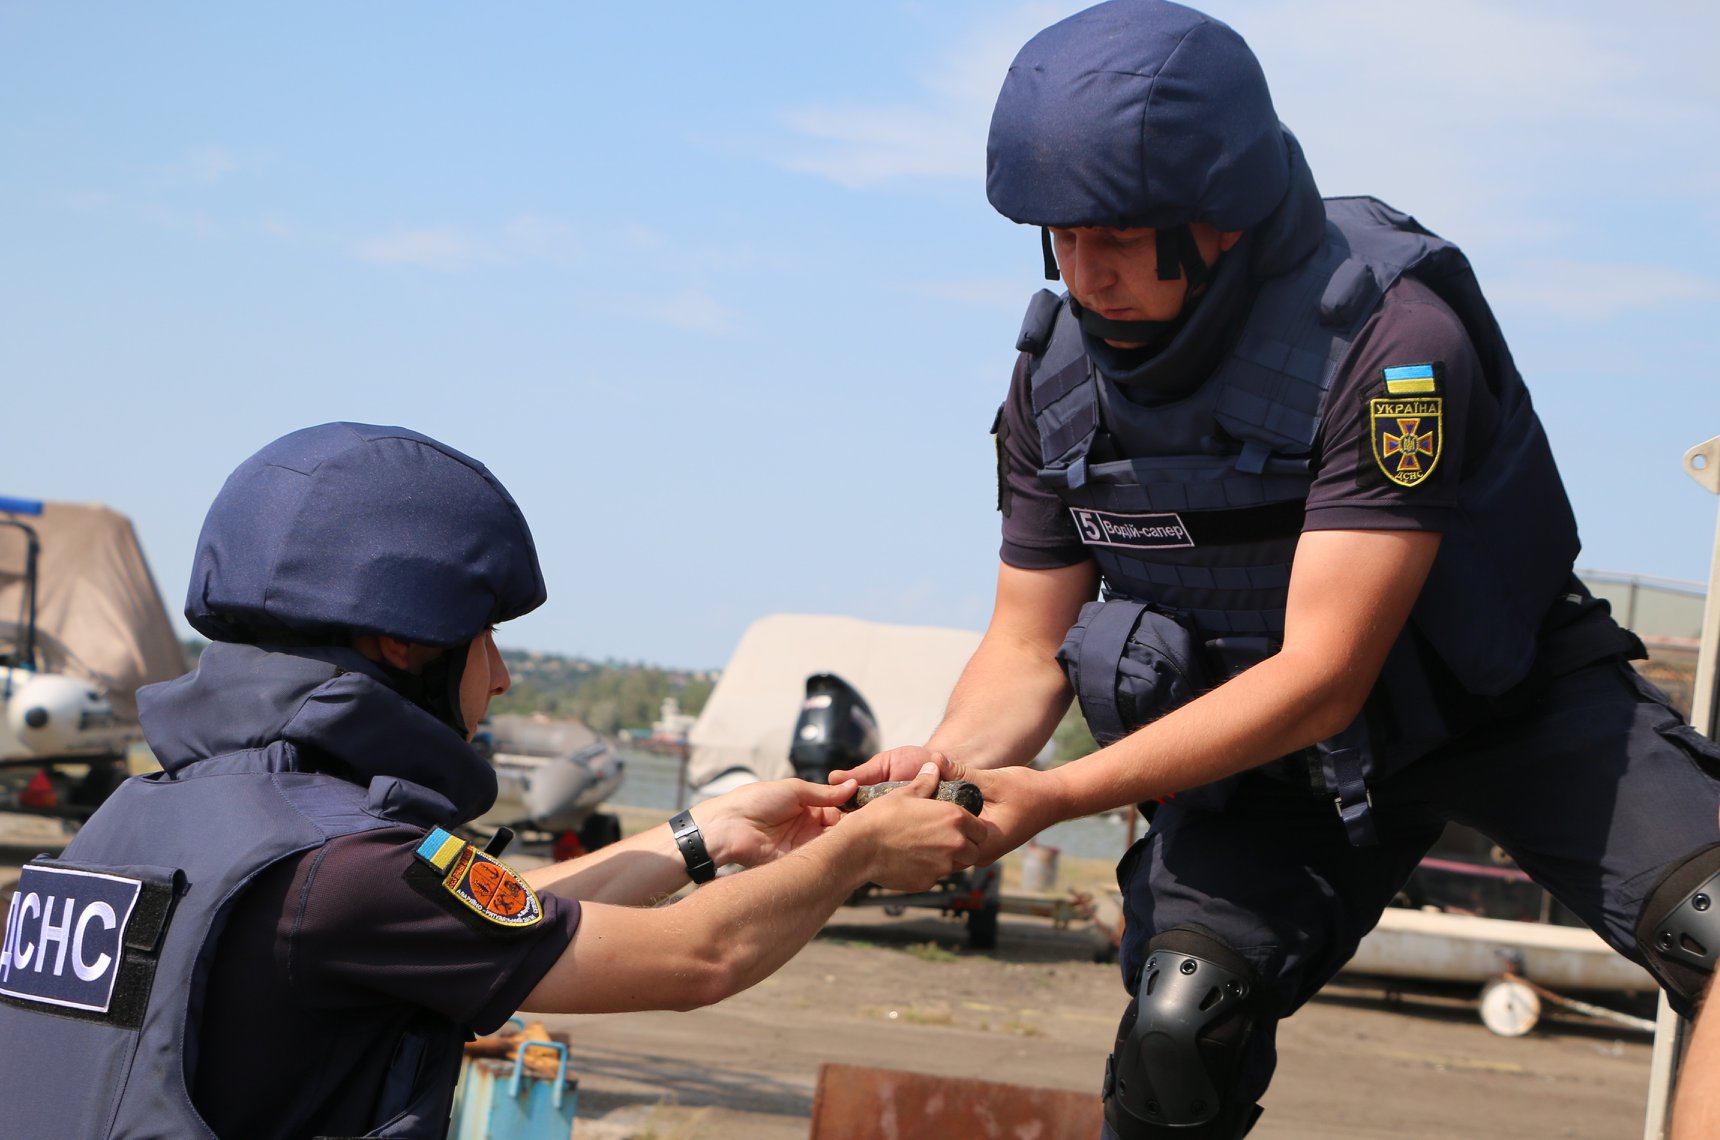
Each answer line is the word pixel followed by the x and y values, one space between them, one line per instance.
pixel 99 614
pixel 1432 945
pixel 542 735
pixel 905 672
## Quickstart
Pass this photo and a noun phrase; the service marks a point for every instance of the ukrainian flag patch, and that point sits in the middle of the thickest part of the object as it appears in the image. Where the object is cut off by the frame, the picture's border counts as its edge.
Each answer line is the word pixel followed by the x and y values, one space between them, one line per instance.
pixel 480 883
pixel 1412 380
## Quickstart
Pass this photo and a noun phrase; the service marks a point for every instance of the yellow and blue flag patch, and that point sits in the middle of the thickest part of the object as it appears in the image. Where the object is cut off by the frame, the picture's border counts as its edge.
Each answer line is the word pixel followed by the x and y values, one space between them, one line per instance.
pixel 479 882
pixel 1412 380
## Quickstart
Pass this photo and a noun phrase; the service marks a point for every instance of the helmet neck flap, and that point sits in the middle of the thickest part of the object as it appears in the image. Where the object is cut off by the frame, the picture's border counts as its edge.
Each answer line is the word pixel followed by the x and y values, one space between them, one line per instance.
pixel 436 687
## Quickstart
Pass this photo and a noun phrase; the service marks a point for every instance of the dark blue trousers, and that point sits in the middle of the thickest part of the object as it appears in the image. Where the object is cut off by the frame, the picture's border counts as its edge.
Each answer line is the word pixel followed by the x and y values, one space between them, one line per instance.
pixel 1597 790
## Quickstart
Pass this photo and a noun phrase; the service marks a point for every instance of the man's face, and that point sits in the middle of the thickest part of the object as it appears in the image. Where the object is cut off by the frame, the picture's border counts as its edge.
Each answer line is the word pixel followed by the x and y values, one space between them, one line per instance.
pixel 485 677
pixel 1115 273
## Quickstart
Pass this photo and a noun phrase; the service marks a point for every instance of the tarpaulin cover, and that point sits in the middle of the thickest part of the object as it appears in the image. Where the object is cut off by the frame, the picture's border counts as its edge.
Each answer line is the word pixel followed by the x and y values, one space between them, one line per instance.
pixel 905 673
pixel 99 614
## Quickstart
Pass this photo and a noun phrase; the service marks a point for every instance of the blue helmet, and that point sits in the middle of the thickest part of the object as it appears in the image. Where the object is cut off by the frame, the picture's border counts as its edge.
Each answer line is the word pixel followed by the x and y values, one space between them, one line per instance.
pixel 1132 114
pixel 351 528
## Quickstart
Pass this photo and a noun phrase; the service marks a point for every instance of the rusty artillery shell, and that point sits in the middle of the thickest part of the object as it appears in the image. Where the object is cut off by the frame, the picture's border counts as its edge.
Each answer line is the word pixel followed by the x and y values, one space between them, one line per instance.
pixel 959 792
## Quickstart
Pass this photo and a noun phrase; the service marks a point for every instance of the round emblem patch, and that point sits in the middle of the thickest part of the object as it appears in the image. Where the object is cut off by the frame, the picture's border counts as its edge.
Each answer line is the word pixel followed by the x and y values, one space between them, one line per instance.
pixel 497 889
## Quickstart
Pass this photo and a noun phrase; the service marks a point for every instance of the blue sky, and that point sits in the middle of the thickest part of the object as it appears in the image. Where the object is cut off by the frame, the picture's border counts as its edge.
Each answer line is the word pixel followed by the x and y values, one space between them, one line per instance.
pixel 715 290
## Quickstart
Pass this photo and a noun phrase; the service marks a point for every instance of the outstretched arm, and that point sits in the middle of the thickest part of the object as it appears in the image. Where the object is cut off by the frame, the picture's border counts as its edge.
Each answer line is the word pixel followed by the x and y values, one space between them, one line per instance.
pixel 737 930
pixel 748 826
pixel 1350 594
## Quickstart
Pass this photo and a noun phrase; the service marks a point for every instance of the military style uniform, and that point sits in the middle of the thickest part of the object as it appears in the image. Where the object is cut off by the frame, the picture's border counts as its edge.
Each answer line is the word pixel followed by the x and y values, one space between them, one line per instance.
pixel 277 935
pixel 1563 755
pixel 304 936
pixel 1332 365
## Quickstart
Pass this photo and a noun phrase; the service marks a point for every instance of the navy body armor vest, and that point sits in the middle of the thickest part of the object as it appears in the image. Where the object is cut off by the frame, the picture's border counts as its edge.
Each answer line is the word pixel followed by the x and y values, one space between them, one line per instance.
pixel 108 947
pixel 1192 507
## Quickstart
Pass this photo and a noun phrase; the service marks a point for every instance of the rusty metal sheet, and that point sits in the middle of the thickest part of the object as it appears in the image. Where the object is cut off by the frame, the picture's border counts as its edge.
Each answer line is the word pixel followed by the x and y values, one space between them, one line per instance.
pixel 857 1102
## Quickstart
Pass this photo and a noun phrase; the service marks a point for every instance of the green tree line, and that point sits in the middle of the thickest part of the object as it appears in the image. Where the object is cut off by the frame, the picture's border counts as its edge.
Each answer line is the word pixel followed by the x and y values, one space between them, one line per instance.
pixel 605 697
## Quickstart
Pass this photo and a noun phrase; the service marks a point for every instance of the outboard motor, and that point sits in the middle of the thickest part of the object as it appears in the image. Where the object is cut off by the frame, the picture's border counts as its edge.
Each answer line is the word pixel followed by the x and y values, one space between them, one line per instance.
pixel 836 729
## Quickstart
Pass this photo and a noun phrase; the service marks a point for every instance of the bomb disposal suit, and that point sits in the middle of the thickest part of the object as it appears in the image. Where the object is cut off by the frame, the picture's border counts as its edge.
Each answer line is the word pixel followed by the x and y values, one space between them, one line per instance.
pixel 1335 368
pixel 284 899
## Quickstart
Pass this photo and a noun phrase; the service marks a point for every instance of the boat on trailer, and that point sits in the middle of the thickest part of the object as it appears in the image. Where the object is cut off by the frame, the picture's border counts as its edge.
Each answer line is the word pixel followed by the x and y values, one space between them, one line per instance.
pixel 552 776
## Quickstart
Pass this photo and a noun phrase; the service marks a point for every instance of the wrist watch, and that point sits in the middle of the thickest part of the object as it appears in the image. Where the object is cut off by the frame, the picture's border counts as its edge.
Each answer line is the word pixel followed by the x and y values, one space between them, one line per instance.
pixel 692 844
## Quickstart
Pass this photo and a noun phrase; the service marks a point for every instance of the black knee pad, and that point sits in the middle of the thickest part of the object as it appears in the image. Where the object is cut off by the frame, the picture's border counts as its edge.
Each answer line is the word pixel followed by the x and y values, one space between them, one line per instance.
pixel 1180 1043
pixel 1679 929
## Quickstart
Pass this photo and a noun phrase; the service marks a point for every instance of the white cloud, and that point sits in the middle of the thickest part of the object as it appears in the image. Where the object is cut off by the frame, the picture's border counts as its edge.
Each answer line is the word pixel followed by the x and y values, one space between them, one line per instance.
pixel 1512 124
pixel 940 134
pixel 536 236
pixel 90 200
pixel 1505 118
pixel 526 237
pixel 642 237
pixel 283 229
pixel 437 248
pixel 203 166
pixel 996 293
pixel 210 164
pixel 692 310
pixel 194 223
pixel 103 203
pixel 1587 292
pixel 869 146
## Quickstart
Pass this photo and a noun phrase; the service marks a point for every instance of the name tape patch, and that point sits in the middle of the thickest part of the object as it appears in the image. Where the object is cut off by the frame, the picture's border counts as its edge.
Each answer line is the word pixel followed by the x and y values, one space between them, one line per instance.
pixel 64 933
pixel 481 883
pixel 1139 532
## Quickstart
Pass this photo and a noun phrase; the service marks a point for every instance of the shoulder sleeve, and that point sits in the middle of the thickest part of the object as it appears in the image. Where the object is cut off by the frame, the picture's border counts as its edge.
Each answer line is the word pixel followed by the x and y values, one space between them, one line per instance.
pixel 1038 533
pixel 1408 410
pixel 367 929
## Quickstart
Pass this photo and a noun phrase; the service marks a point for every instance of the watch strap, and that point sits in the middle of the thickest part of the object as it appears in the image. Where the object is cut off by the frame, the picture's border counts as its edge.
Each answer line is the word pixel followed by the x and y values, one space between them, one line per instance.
pixel 692 844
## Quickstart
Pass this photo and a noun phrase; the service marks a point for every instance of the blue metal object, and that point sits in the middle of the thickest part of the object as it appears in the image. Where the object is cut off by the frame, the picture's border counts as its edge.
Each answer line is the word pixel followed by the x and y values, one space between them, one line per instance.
pixel 20 506
pixel 526 1108
pixel 560 1069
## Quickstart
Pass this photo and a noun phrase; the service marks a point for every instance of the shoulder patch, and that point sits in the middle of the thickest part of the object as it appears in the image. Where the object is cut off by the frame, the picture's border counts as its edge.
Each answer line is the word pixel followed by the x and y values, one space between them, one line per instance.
pixel 1413 379
pixel 481 884
pixel 1406 425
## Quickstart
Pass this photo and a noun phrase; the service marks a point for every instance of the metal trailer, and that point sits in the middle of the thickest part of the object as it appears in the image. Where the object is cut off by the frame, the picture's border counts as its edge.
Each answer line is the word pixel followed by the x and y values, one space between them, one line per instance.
pixel 974 894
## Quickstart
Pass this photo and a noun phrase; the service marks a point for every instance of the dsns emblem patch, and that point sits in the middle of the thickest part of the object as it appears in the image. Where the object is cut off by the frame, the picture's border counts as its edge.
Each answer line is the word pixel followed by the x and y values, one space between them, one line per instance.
pixel 1407 424
pixel 481 883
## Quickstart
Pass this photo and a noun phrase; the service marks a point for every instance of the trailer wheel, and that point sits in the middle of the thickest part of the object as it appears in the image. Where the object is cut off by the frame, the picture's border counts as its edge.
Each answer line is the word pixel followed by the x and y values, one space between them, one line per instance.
pixel 982 928
pixel 1509 1008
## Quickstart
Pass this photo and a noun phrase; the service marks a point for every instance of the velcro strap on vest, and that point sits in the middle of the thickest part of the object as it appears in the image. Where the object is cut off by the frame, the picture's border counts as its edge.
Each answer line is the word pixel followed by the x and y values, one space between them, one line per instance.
pixel 1075 475
pixel 1345 762
pixel 1254 455
pixel 1050 389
